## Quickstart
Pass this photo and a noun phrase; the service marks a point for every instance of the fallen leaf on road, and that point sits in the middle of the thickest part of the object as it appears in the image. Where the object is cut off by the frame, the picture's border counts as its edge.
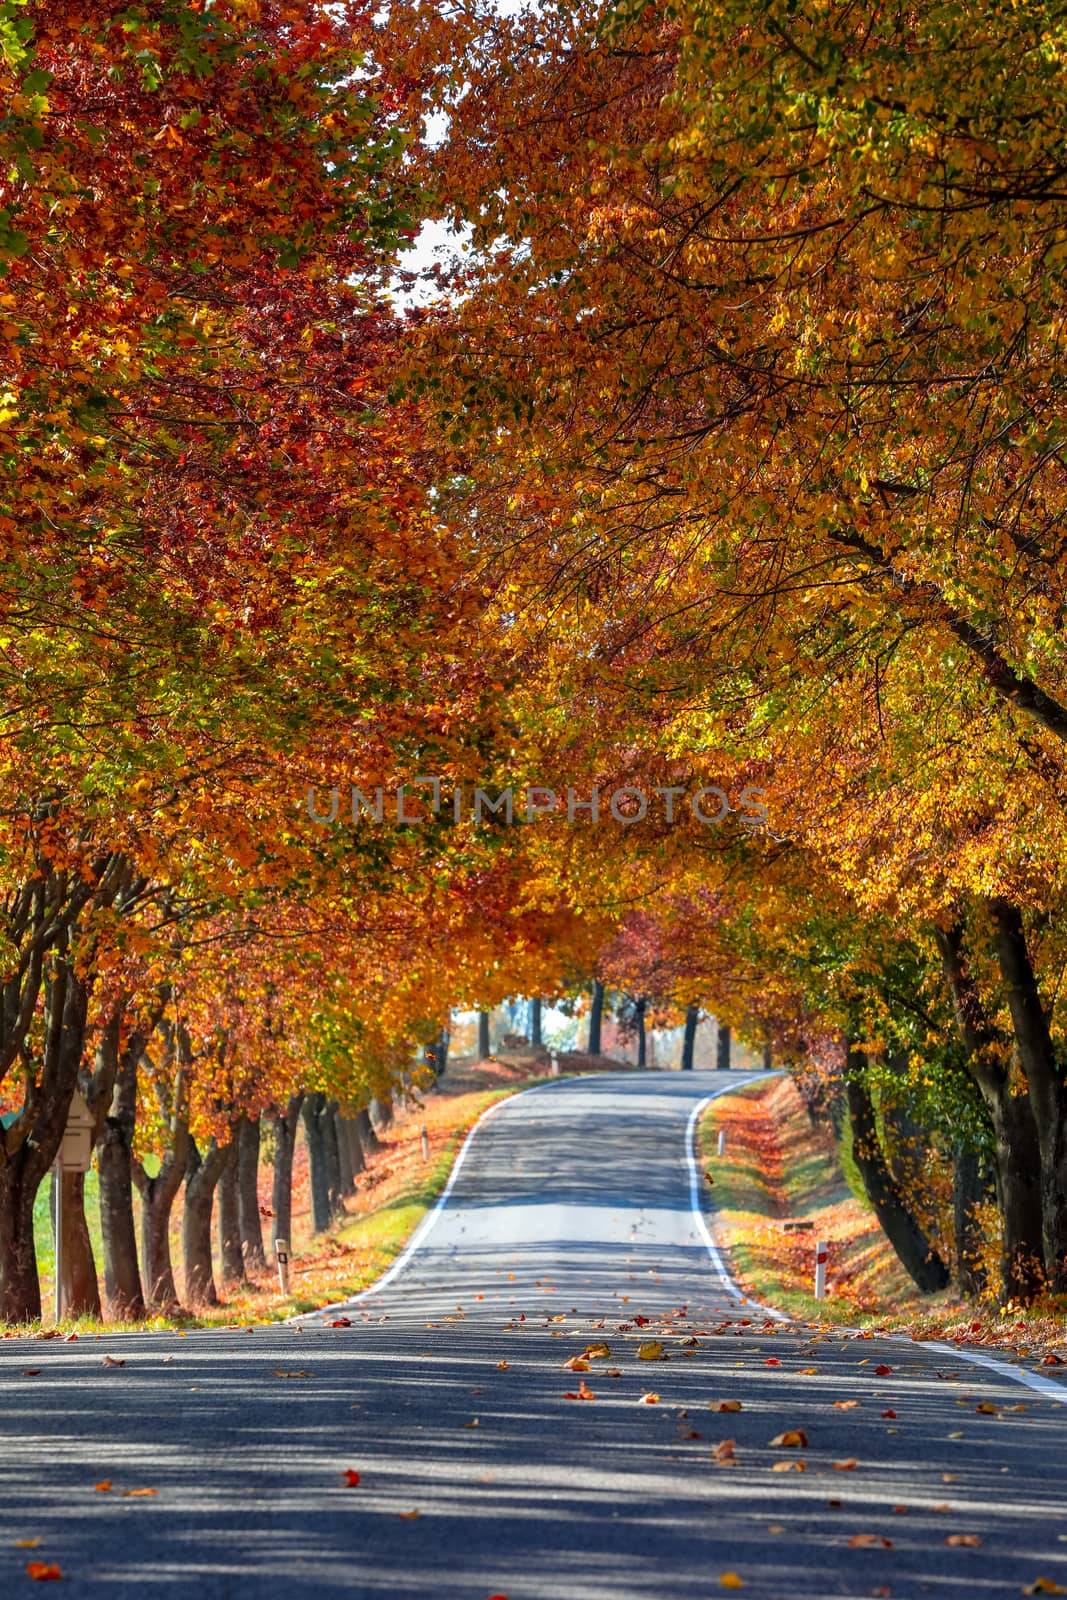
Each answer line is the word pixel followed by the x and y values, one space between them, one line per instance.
pixel 727 1405
pixel 790 1466
pixel 1051 1360
pixel 112 1361
pixel 138 1494
pixel 845 1405
pixel 724 1450
pixel 610 1372
pixel 808 1372
pixel 848 1465
pixel 791 1439
pixel 42 1571
pixel 888 1414
pixel 987 1408
pixel 649 1399
pixel 31 1372
pixel 27 1544
pixel 1044 1586
pixel 103 1486
pixel 599 1351
pixel 473 1423
pixel 969 1539
pixel 584 1393
pixel 883 1371
pixel 731 1580
pixel 651 1350
pixel 772 1361
pixel 576 1364
pixel 502 1366
pixel 867 1541
pixel 351 1477
pixel 407 1516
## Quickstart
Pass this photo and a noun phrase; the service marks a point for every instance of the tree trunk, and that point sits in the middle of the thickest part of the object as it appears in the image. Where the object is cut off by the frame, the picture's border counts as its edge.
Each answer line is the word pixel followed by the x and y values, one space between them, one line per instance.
pixel 596 1012
pixel 968 1191
pixel 535 1022
pixel 80 1287
pixel 689 1037
pixel 722 1048
pixel 1048 1091
pixel 284 1125
pixel 381 1112
pixel 916 1253
pixel 315 1134
pixel 483 1036
pixel 441 1062
pixel 251 1226
pixel 1017 1153
pixel 367 1136
pixel 114 1160
pixel 351 1152
pixel 30 1145
pixel 202 1174
pixel 157 1201
pixel 332 1149
pixel 231 1257
pixel 642 1036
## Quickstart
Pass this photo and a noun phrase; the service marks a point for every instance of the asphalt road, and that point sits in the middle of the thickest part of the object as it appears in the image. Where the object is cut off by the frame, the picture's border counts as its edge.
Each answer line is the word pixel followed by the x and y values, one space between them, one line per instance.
pixel 569 1220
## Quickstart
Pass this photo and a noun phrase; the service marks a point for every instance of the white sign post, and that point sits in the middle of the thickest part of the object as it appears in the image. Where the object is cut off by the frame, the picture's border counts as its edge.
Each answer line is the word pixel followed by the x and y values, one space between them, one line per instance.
pixel 281 1250
pixel 75 1154
pixel 822 1250
pixel 722 1142
pixel 554 1069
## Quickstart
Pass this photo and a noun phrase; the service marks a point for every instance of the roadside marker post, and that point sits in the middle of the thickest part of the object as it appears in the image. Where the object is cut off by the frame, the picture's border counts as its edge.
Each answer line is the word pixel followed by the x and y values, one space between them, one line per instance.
pixel 281 1250
pixel 425 1145
pixel 822 1250
pixel 75 1154
pixel 722 1142
pixel 554 1068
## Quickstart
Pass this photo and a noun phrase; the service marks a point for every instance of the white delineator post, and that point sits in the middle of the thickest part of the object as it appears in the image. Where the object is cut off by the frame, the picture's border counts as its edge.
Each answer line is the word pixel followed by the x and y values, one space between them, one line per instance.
pixel 554 1068
pixel 822 1250
pixel 425 1145
pixel 722 1142
pixel 281 1250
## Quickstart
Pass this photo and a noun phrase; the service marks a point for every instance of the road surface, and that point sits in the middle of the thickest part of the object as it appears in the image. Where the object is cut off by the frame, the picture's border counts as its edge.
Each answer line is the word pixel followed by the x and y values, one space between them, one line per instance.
pixel 569 1220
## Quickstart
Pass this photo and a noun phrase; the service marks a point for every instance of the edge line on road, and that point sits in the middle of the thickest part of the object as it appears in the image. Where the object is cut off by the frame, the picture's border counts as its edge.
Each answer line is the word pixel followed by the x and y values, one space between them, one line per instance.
pixel 435 1210
pixel 1035 1381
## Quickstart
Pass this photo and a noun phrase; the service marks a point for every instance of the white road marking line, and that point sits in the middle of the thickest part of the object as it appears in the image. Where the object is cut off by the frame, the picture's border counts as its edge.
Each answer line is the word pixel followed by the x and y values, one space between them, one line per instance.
pixel 1003 1369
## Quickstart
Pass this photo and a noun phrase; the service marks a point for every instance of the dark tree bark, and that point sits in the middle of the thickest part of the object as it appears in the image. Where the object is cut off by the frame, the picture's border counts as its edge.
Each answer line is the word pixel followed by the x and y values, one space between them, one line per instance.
pixel 158 1193
pixel 315 1134
pixel 284 1125
pixel 642 1034
pixel 768 1056
pixel 351 1152
pixel 596 1012
pixel 484 1050
pixel 367 1136
pixel 80 1285
pixel 231 1256
pixel 334 1181
pixel 30 1145
pixel 114 1160
pixel 1016 1149
pixel 202 1174
pixel 689 1037
pixel 248 1196
pixel 441 1061
pixel 381 1112
pixel 969 1190
pixel 722 1048
pixel 535 1021
pixel 1046 1084
pixel 915 1251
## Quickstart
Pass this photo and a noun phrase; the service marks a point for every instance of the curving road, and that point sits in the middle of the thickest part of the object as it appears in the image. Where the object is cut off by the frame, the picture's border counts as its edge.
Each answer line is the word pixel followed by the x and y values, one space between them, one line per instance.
pixel 569 1220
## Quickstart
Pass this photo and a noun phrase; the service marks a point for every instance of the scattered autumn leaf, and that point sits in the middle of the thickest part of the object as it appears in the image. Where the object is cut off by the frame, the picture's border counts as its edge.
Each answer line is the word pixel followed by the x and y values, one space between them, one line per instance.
pixel 969 1539
pixel 576 1364
pixel 986 1408
pixel 351 1477
pixel 845 1405
pixel 43 1571
pixel 724 1450
pixel 791 1439
pixel 1045 1586
pixel 772 1361
pixel 848 1465
pixel 790 1466
pixel 727 1405
pixel 882 1371
pixel 31 1372
pixel 583 1392
pixel 599 1351
pixel 890 1413
pixel 27 1544
pixel 867 1541
pixel 502 1366
pixel 649 1399
pixel 138 1494
pixel 731 1580
pixel 112 1361
pixel 103 1486
pixel 651 1350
